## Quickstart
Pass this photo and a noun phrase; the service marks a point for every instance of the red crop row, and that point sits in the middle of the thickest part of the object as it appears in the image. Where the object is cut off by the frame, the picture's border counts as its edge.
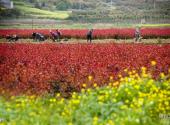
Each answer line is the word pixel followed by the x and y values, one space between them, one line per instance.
pixel 31 68
pixel 98 33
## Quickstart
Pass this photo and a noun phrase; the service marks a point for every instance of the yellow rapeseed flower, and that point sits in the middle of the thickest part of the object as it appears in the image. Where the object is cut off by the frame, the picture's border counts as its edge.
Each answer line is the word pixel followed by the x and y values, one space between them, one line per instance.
pixel 76 101
pixel 114 100
pixel 116 83
pixel 101 98
pixel 82 90
pixel 84 85
pixel 123 107
pixel 125 70
pixel 95 85
pixel 127 101
pixel 58 94
pixel 90 78
pixel 137 87
pixel 111 77
pixel 95 120
pixel 162 75
pixel 110 122
pixel 166 103
pixel 52 100
pixel 61 101
pixel 143 69
pixel 120 76
pixel 89 90
pixel 70 123
pixel 153 63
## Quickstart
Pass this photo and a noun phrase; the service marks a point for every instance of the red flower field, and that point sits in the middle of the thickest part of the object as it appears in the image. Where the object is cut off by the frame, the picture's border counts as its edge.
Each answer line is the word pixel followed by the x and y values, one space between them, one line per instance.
pixel 116 33
pixel 32 68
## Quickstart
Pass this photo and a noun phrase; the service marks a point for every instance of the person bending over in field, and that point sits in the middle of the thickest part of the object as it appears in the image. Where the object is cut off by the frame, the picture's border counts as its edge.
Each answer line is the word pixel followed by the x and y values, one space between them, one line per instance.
pixel 137 35
pixel 38 36
pixel 89 35
pixel 55 35
pixel 12 38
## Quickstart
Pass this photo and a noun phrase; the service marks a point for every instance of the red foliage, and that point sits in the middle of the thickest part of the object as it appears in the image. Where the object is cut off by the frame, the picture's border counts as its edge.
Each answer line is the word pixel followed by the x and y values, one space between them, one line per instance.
pixel 98 33
pixel 30 68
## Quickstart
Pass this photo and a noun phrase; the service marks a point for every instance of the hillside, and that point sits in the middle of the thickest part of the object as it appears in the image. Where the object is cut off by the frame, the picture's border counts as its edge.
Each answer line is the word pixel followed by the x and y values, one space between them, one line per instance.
pixel 26 9
pixel 154 11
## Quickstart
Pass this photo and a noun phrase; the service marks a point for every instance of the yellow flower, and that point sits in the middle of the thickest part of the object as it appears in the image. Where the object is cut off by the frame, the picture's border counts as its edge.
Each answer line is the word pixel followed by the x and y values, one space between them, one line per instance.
pixel 95 120
pixel 111 77
pixel 126 90
pixel 84 85
pixel 8 109
pixel 110 84
pixel 120 76
pixel 32 97
pixel 82 90
pixel 95 85
pixel 125 70
pixel 131 105
pixel 133 71
pixel 57 94
pixel 126 101
pixel 143 68
pixel 153 63
pixel 140 101
pixel 162 75
pixel 12 97
pixel 73 96
pixel 129 93
pixel 114 100
pixel 90 78
pixel 70 123
pixel 130 73
pixel 123 107
pixel 116 83
pixel 101 98
pixel 32 114
pixel 52 100
pixel 89 90
pixel 61 101
pixel 110 122
pixel 76 101
pixel 63 113
pixel 166 103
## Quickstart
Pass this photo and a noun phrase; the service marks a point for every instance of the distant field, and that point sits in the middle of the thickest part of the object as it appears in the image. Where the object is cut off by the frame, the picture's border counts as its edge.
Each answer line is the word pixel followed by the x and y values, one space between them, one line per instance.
pixel 154 25
pixel 71 25
pixel 43 13
pixel 29 10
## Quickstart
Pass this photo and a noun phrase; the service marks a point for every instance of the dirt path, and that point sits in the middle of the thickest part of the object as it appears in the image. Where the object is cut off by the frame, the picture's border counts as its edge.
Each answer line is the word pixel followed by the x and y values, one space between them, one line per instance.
pixel 149 41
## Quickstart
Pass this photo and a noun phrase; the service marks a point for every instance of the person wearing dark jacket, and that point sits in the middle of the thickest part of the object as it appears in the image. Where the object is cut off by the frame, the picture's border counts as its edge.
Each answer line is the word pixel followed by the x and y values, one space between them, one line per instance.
pixel 89 35
pixel 38 36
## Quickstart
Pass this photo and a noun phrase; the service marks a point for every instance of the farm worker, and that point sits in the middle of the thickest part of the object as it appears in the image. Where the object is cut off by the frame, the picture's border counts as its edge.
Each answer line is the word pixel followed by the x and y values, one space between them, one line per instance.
pixel 56 35
pixel 12 38
pixel 59 35
pixel 89 35
pixel 38 36
pixel 137 34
